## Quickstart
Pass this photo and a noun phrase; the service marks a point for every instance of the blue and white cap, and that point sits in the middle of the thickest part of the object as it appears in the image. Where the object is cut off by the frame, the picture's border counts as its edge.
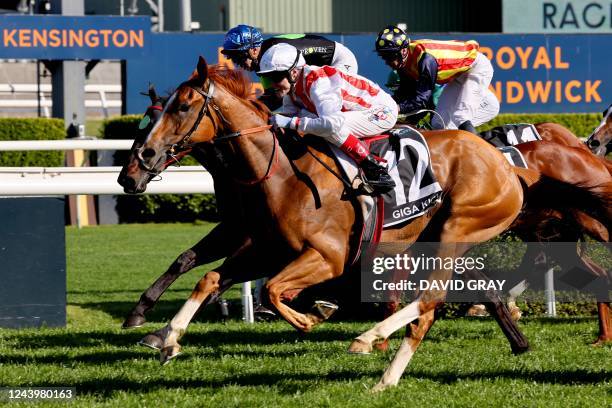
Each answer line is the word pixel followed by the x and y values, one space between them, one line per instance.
pixel 242 38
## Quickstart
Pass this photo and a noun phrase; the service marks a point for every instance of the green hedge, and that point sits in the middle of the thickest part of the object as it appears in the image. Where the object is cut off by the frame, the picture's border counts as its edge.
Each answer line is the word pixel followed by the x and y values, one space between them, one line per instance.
pixel 31 129
pixel 162 207
pixel 581 124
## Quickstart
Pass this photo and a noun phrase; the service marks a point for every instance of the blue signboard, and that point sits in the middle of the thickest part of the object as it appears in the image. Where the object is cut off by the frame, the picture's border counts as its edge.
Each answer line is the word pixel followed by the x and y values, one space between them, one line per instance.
pixel 536 73
pixel 74 37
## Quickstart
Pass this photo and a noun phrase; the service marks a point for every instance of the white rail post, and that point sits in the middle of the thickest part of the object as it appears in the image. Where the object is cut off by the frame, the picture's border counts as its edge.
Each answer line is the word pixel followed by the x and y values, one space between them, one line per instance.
pixel 549 290
pixel 247 303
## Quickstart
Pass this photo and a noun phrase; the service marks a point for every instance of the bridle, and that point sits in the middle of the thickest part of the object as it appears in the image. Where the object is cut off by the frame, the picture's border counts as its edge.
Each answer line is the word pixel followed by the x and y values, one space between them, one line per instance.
pixel 591 141
pixel 183 146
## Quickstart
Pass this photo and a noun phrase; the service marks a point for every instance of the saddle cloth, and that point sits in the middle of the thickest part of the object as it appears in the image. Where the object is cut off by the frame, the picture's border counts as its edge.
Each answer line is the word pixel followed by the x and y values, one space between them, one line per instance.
pixel 409 164
pixel 514 156
pixel 511 135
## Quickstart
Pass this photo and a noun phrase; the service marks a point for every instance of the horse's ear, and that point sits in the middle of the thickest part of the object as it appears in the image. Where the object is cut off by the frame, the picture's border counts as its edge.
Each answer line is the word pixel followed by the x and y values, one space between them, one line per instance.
pixel 153 94
pixel 202 69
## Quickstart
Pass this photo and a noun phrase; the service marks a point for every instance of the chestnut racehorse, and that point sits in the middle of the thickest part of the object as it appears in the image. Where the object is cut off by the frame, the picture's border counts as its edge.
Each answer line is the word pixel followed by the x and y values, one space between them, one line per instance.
pixel 222 239
pixel 300 213
pixel 553 132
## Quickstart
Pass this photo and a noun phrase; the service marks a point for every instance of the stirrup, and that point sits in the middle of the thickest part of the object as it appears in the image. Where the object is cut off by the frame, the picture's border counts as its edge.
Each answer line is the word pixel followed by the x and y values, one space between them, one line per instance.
pixel 365 187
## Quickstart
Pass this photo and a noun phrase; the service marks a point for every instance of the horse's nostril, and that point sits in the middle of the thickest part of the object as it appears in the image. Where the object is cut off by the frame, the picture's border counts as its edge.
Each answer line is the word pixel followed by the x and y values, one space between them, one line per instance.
pixel 148 153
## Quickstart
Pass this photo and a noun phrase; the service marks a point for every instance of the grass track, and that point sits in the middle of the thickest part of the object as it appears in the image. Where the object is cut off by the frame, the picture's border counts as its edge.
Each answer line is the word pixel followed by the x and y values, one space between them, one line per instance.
pixel 462 362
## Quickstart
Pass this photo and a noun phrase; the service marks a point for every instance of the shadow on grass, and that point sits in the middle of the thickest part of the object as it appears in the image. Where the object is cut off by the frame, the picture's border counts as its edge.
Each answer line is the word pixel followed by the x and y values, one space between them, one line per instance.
pixel 286 383
pixel 162 313
pixel 290 383
pixel 212 337
pixel 561 376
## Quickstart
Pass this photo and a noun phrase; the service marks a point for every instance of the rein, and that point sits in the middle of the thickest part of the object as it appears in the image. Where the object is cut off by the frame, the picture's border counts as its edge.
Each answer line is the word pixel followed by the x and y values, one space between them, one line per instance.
pixel 184 148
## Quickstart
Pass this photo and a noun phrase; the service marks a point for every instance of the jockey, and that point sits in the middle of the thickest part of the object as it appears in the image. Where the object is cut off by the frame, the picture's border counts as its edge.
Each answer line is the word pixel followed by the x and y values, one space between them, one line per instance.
pixel 244 45
pixel 465 101
pixel 333 104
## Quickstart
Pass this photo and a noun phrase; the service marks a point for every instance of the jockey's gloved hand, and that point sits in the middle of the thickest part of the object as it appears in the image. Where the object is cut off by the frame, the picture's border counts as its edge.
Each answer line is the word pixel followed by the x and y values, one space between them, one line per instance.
pixel 280 121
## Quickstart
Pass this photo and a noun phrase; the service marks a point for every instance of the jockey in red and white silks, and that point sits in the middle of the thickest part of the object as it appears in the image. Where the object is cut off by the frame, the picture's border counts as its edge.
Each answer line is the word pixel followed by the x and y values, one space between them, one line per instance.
pixel 333 104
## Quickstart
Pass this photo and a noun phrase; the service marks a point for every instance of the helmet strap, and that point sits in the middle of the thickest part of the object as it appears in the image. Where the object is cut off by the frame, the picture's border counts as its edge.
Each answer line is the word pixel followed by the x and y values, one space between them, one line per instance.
pixel 292 81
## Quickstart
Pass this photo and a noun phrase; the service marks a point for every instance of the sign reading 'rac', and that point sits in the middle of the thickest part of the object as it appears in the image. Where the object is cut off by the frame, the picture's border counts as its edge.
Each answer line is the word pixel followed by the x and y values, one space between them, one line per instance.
pixel 557 16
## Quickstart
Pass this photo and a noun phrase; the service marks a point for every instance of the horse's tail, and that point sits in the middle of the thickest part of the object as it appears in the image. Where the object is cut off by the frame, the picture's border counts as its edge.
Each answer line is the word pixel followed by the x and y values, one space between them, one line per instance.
pixel 551 194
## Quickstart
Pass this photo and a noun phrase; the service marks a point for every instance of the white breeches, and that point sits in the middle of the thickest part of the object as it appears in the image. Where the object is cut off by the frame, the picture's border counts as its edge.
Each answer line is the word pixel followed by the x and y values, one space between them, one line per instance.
pixel 468 97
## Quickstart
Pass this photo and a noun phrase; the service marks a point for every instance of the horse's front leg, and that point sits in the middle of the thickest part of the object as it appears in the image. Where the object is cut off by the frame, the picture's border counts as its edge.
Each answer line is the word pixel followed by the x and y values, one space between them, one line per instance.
pixel 234 270
pixel 222 241
pixel 311 267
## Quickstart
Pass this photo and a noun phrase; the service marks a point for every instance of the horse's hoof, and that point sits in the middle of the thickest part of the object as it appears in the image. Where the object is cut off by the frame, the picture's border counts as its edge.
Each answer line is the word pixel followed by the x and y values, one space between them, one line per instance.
pixel 152 341
pixel 382 346
pixel 324 309
pixel 520 350
pixel 515 314
pixel 359 347
pixel 379 387
pixel 134 321
pixel 169 353
pixel 263 314
pixel 477 311
pixel 601 341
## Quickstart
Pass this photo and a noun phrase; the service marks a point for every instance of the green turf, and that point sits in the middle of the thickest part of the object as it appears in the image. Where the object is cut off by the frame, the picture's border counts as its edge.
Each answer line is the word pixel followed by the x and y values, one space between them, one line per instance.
pixel 461 363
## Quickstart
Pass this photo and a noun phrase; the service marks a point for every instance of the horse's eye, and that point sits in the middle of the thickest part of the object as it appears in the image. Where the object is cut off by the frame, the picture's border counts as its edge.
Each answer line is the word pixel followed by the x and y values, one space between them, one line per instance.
pixel 183 107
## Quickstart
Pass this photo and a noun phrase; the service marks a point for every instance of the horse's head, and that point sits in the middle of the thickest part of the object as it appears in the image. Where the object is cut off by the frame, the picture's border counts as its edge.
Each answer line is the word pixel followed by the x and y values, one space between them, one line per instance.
pixel 133 178
pixel 186 120
pixel 602 135
pixel 213 101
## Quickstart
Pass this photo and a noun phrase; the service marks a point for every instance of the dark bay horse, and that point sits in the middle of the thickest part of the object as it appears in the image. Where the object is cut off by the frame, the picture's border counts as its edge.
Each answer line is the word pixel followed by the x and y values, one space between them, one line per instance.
pixel 580 167
pixel 298 211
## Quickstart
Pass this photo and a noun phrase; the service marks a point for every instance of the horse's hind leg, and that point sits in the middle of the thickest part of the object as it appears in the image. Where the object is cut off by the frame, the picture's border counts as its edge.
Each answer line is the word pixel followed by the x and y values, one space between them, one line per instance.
pixel 496 307
pixel 605 323
pixel 219 243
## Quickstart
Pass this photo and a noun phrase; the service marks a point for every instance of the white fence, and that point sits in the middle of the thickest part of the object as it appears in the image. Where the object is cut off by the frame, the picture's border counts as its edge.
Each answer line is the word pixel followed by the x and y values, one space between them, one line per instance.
pixel 29 181
pixel 37 181
pixel 101 102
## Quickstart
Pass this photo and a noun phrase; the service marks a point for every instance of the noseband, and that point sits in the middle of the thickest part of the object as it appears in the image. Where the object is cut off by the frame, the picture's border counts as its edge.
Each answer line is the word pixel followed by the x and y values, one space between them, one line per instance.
pixel 183 146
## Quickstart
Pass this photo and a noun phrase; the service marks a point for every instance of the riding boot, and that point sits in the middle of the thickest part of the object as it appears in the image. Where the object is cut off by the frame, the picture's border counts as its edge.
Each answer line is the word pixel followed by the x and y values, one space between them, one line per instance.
pixel 375 173
pixel 468 127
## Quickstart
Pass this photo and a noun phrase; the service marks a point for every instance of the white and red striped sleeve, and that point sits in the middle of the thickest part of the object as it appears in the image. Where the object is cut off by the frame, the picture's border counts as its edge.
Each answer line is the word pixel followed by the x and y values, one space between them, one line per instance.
pixel 324 90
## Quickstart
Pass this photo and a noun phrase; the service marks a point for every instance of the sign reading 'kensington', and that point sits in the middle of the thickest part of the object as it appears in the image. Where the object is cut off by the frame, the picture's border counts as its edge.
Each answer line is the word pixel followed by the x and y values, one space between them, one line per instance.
pixel 74 37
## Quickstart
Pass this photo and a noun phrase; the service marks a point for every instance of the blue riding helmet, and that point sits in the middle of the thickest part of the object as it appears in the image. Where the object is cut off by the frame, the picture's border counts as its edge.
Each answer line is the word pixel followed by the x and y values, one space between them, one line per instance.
pixel 242 38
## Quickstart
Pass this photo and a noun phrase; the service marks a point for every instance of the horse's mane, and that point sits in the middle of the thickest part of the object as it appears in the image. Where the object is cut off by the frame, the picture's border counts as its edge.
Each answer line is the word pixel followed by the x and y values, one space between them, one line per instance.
pixel 236 82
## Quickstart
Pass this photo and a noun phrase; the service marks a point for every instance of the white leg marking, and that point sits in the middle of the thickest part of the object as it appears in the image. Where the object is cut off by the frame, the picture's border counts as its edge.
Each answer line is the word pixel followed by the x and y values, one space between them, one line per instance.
pixel 394 372
pixel 391 324
pixel 180 321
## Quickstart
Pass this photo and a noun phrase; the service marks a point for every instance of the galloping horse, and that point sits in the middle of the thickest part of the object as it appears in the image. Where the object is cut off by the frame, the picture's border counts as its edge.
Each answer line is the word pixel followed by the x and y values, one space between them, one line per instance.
pixel 299 212
pixel 580 167
pixel 134 178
